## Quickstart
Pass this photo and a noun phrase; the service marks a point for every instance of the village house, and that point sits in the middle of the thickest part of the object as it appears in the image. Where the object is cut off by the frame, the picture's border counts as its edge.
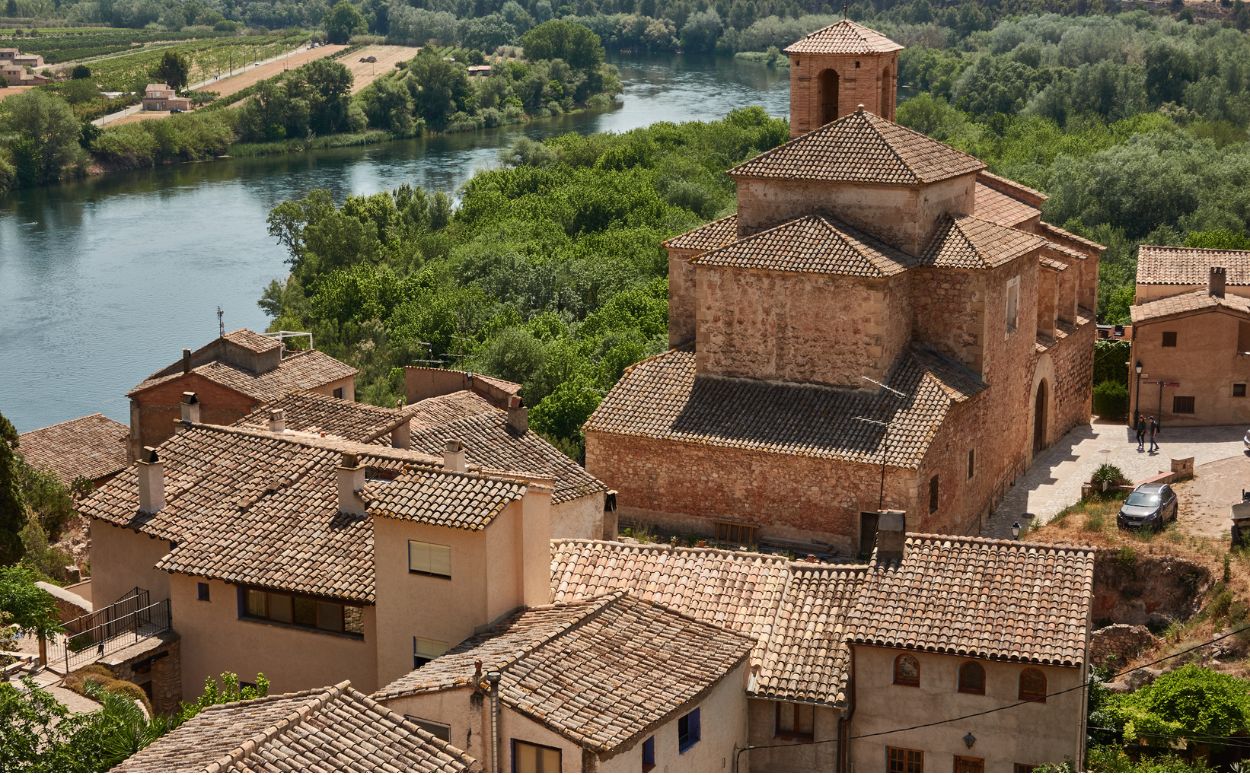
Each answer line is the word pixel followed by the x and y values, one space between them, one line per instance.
pixel 331 729
pixel 16 68
pixel 611 684
pixel 363 559
pixel 231 377
pixel 881 324
pixel 161 96
pixel 90 449
pixel 1191 336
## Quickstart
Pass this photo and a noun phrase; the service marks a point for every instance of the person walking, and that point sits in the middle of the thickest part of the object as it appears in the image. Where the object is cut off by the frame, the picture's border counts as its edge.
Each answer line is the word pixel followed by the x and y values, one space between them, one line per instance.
pixel 1141 432
pixel 1154 431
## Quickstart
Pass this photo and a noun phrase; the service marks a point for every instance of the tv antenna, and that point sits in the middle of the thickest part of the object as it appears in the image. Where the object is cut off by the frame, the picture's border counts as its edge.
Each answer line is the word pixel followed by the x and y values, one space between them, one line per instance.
pixel 221 321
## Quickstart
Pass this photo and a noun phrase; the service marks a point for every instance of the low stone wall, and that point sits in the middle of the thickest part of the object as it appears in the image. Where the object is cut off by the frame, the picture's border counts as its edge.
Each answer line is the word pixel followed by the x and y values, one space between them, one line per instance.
pixel 156 665
pixel 1149 590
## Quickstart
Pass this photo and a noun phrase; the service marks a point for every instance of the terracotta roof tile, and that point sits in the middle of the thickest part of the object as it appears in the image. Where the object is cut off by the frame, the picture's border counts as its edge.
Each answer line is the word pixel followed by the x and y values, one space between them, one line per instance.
pixel 90 447
pixel 489 443
pixel 332 729
pixel 793 612
pixel 618 668
pixel 1006 600
pixel 1055 233
pixel 309 412
pixel 971 243
pixel 810 244
pixel 446 408
pixel 464 501
pixel 843 37
pixel 662 398
pixel 301 370
pixel 1197 301
pixel 250 340
pixel 992 205
pixel 1166 265
pixel 861 148
pixel 709 236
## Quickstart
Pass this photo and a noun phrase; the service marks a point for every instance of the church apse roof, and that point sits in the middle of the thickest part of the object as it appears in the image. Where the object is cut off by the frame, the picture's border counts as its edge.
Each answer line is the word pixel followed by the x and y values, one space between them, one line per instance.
pixel 810 244
pixel 861 147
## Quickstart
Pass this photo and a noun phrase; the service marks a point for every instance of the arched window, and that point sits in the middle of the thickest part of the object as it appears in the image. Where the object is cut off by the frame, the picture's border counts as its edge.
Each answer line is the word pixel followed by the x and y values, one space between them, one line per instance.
pixel 827 89
pixel 971 678
pixel 906 670
pixel 1032 685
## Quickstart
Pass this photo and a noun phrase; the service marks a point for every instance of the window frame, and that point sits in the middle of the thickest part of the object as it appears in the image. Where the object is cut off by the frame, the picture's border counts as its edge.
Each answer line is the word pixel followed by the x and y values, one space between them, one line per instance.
pixel 735 533
pixel 255 605
pixel 648 754
pixel 692 733
pixel 935 494
pixel 909 759
pixel 1239 386
pixel 1184 405
pixel 976 762
pixel 969 688
pixel 421 658
pixel 1031 696
pixel 338 392
pixel 906 682
pixel 801 724
pixel 539 749
pixel 429 570
pixel 1168 339
pixel 1011 311
pixel 203 593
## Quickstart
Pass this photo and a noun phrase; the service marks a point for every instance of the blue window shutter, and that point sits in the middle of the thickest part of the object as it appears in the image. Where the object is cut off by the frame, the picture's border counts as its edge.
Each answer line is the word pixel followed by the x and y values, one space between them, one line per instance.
pixel 696 730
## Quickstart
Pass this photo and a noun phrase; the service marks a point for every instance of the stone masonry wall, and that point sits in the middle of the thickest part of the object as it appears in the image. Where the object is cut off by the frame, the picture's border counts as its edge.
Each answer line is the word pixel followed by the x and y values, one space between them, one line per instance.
pixel 158 669
pixel 798 327
pixel 681 296
pixel 1073 359
pixel 949 313
pixel 864 79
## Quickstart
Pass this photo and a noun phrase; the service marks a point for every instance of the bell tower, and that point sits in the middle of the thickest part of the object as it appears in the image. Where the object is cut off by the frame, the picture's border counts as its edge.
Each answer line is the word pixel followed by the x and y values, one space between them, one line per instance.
pixel 835 70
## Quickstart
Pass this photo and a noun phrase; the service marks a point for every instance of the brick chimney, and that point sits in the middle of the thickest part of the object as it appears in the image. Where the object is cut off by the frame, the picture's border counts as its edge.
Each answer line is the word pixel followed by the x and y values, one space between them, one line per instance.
pixel 518 416
pixel 1216 279
pixel 190 408
pixel 151 481
pixel 891 536
pixel 401 435
pixel 277 421
pixel 351 484
pixel 453 457
pixel 186 359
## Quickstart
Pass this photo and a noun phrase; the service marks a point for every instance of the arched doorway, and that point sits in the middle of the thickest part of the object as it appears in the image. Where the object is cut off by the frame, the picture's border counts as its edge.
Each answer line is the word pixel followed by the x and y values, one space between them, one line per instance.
pixel 1039 417
pixel 827 96
pixel 886 91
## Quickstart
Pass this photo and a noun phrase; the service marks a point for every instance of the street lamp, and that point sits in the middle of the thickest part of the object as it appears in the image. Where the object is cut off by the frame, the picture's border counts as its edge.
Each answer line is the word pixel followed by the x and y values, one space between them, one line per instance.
pixel 1137 367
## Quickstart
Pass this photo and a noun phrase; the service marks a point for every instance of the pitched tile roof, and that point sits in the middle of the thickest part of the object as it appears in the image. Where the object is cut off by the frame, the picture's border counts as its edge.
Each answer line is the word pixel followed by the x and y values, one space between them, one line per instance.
pixel 1167 265
pixel 309 412
pixel 250 340
pixel 813 244
pixel 992 205
pixel 843 37
pixel 90 447
pixel 792 611
pixel 709 236
pixel 663 398
pixel 301 370
pixel 252 507
pixel 1055 233
pixel 489 443
pixel 619 669
pixel 972 243
pixel 446 499
pixel 332 729
pixel 1185 303
pixel 861 148
pixel 446 408
pixel 1006 600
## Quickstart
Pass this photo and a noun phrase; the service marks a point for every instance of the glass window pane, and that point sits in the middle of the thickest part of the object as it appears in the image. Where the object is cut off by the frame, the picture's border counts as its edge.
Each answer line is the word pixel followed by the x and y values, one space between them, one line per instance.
pixel 279 607
pixel 440 560
pixel 330 617
pixel 305 610
pixel 255 602
pixel 418 556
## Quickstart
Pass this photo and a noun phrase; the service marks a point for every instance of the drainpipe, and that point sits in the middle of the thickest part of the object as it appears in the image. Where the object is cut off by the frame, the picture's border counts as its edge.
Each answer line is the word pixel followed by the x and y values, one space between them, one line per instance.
pixel 844 723
pixel 493 679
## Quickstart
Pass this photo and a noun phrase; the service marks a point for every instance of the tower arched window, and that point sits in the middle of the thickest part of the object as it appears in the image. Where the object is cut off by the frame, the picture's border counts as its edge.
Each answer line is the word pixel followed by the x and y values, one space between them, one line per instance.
pixel 971 678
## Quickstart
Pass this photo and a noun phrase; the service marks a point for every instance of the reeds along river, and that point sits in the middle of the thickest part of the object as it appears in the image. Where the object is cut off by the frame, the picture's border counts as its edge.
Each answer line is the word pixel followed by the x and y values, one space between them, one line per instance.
pixel 104 281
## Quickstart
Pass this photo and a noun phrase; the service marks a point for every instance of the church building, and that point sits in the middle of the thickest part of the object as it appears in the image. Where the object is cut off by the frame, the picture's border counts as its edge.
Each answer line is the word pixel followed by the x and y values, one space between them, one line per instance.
pixel 881 324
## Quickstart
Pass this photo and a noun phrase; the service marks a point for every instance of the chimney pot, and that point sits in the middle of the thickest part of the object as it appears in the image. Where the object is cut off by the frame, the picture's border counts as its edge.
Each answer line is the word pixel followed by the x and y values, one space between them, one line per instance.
pixel 151 481
pixel 277 421
pixel 453 457
pixel 190 408
pixel 891 536
pixel 1216 279
pixel 186 360
pixel 351 482
pixel 518 416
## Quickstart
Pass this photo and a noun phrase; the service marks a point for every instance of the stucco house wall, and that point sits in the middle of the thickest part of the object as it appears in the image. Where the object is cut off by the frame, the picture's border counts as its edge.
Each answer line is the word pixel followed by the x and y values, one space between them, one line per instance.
pixel 122 559
pixel 1205 362
pixel 819 754
pixel 1032 733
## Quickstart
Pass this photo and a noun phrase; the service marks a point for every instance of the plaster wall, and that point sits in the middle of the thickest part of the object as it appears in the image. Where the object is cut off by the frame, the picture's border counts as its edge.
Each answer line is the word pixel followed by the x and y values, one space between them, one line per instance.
pixel 582 517
pixel 820 754
pixel 1205 363
pixel 122 559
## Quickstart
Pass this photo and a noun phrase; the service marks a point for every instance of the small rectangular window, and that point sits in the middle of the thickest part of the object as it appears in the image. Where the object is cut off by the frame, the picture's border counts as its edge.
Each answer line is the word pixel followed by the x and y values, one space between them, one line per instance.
pixel 255 603
pixel 429 559
pixel 300 611
pixel 933 494
pixel 338 392
pixel 1169 338
pixel 1182 404
pixel 441 731
pixel 305 612
pixel 201 591
pixel 735 533
pixel 1239 390
pixel 279 607
pixel 969 764
pixel 1013 304
pixel 648 754
pixel 903 760
pixel 688 731
pixel 532 757
pixel 795 720
pixel 425 650
pixel 972 463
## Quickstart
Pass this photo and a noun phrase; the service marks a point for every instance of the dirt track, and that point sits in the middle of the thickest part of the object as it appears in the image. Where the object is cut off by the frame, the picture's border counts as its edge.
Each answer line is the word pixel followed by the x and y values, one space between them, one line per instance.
pixel 237 83
pixel 365 73
pixel 13 91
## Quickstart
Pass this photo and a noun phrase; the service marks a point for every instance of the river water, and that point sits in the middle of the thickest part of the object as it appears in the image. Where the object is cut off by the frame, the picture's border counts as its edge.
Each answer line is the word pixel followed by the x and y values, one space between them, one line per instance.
pixel 103 282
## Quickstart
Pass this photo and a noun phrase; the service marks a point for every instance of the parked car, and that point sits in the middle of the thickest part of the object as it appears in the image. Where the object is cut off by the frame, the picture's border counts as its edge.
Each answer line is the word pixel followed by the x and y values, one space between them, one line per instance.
pixel 1150 506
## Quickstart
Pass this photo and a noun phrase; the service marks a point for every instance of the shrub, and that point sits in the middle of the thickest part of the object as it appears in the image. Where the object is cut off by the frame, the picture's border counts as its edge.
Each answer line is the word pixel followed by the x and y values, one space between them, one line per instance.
pixel 1110 399
pixel 1107 478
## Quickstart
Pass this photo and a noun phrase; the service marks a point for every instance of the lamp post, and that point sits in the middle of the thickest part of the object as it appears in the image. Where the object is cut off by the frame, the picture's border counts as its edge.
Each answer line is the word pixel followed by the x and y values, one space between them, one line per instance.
pixel 1137 367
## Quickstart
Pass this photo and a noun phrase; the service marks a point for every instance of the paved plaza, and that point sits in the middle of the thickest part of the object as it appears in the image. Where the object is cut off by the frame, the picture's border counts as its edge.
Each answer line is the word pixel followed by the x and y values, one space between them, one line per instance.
pixel 1053 481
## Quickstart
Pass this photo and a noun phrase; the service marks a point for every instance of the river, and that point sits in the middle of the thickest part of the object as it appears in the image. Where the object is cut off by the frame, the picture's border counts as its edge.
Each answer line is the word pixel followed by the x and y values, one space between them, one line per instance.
pixel 105 281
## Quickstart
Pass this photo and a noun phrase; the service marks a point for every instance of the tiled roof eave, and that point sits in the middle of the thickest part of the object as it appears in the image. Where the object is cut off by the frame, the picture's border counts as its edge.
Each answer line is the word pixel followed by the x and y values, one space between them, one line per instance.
pixel 840 703
pixel 370 598
pixel 992 656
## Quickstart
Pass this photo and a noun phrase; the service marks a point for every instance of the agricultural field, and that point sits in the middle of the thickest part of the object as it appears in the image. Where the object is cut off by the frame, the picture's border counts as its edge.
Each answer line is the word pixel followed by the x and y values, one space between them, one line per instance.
pixel 365 73
pixel 237 83
pixel 75 44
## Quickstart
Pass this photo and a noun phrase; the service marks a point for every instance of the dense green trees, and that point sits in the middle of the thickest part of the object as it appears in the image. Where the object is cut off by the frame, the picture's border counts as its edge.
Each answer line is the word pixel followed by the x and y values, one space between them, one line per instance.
pixel 41 135
pixel 343 21
pixel 174 69
pixel 315 99
pixel 559 39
